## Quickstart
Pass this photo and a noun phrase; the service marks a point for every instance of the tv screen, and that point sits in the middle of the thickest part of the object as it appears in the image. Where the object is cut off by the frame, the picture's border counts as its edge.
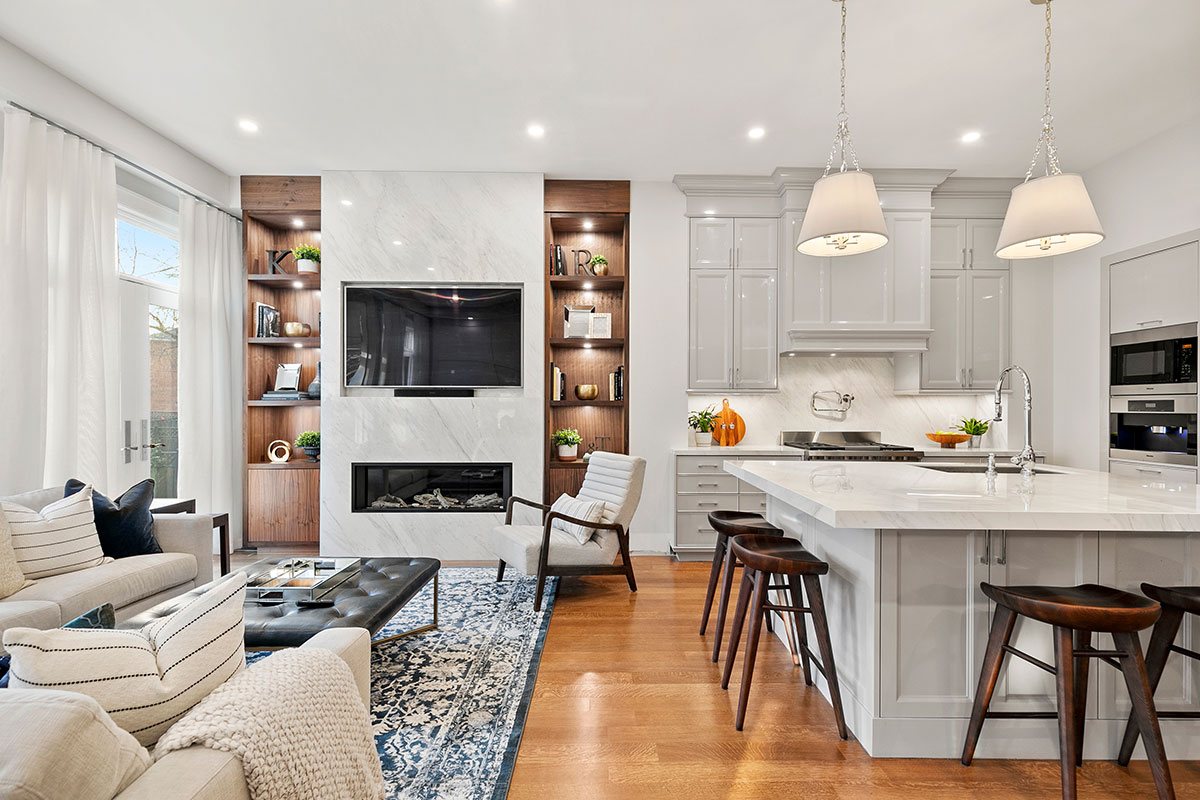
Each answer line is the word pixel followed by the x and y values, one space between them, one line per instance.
pixel 433 336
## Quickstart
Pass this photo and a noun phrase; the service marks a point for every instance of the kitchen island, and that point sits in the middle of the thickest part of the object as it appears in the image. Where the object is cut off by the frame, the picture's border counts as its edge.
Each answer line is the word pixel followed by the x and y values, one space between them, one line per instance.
pixel 908 546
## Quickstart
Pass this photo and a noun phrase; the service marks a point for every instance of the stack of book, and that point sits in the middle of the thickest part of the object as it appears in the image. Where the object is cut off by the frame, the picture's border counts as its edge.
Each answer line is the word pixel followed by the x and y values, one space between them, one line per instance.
pixel 616 384
pixel 558 382
pixel 557 265
pixel 282 394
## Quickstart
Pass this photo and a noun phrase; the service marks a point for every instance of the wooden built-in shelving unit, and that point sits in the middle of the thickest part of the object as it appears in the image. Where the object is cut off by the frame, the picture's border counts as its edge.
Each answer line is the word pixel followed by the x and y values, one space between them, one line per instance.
pixel 281 500
pixel 591 215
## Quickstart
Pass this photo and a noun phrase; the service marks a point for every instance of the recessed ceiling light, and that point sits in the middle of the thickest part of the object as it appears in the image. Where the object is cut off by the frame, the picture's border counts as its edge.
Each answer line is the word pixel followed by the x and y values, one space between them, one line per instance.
pixel 298 284
pixel 429 268
pixel 297 345
pixel 536 131
pixel 971 136
pixel 710 211
pixel 587 346
pixel 347 202
pixel 297 222
pixel 397 242
pixel 587 285
pixel 248 125
pixel 470 318
pixel 756 133
pixel 587 224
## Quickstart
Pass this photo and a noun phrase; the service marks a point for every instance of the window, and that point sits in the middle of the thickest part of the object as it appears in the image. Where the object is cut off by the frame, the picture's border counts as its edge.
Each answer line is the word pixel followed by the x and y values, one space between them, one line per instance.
pixel 164 399
pixel 147 255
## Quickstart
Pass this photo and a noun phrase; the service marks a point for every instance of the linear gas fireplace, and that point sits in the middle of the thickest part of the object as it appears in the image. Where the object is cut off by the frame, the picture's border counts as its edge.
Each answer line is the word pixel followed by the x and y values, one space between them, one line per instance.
pixel 432 487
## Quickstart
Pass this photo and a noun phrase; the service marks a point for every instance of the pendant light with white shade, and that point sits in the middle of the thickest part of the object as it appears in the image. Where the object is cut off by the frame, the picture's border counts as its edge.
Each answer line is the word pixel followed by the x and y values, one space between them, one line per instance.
pixel 1052 214
pixel 843 215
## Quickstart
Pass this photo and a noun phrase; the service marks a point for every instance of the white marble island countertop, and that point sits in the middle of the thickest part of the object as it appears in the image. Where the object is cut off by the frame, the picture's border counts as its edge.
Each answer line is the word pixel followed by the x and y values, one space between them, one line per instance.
pixel 902 495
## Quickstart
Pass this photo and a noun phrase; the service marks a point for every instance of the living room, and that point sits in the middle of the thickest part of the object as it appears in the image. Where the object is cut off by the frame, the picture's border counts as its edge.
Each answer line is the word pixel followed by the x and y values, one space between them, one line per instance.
pixel 517 398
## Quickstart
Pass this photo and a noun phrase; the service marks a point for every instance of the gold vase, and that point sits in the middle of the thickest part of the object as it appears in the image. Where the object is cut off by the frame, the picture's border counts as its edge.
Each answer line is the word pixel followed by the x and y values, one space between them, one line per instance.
pixel 587 391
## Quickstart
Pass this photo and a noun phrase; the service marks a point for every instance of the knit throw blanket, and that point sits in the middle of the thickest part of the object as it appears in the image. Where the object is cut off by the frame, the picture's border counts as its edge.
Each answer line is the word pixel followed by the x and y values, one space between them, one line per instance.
pixel 296 721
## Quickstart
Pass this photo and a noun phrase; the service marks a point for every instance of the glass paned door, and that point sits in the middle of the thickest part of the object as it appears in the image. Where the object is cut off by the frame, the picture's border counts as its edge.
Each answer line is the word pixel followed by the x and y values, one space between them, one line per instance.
pixel 164 399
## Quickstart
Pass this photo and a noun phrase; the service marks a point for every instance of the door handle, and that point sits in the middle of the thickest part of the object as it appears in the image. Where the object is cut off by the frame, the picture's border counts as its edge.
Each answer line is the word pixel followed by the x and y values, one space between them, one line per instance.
pixel 986 558
pixel 156 444
pixel 1150 322
pixel 970 376
pixel 1002 559
pixel 131 448
pixel 971 256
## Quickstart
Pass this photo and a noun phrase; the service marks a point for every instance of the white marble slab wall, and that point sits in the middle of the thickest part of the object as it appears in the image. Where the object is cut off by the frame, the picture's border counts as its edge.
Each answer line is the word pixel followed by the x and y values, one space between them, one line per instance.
pixel 436 227
pixel 901 419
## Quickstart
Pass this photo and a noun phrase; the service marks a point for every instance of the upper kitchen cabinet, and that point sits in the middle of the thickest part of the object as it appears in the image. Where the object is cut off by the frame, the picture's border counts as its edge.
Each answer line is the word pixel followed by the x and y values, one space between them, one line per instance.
pixel 711 243
pixel 710 329
pixel 873 302
pixel 756 244
pixel 1155 289
pixel 970 340
pixel 965 244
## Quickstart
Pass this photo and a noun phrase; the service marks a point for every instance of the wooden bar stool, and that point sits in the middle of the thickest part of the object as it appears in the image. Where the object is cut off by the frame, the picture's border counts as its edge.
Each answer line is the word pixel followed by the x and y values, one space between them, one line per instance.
pixel 1176 601
pixel 728 524
pixel 762 557
pixel 1079 611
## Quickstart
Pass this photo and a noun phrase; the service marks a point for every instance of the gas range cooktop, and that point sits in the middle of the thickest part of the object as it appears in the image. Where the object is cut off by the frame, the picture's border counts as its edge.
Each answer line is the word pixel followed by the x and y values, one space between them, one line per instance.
pixel 847 446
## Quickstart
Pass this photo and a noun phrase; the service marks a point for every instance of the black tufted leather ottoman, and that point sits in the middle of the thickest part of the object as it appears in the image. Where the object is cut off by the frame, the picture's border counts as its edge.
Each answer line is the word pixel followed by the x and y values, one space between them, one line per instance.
pixel 383 586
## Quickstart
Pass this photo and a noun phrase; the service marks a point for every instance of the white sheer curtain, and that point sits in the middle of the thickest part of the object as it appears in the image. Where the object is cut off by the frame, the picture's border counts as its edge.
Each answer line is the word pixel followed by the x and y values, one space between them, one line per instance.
pixel 211 393
pixel 59 384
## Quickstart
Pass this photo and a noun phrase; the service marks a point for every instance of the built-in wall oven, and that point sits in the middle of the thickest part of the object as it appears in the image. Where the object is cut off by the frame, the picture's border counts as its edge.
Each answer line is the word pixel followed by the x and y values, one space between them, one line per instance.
pixel 1154 361
pixel 1160 429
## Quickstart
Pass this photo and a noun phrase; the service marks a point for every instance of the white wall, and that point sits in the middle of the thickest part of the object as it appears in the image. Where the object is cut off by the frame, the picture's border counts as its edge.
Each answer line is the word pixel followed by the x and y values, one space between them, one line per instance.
pixel 1146 193
pixel 32 84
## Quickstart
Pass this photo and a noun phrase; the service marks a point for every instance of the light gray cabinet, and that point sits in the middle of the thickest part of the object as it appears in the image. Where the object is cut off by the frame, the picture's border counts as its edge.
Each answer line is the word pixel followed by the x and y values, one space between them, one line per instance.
pixel 970 312
pixel 701 486
pixel 1154 290
pixel 733 305
pixel 965 244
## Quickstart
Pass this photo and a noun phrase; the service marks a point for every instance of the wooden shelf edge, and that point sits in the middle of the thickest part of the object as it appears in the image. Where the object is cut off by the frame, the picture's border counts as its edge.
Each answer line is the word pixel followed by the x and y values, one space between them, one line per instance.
pixel 293 464
pixel 556 464
pixel 608 282
pixel 282 403
pixel 308 281
pixel 596 344
pixel 285 341
pixel 577 403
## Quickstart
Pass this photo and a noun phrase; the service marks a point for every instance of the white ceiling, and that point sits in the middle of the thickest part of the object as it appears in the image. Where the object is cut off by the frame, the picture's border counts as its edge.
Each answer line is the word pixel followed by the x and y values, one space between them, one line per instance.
pixel 641 89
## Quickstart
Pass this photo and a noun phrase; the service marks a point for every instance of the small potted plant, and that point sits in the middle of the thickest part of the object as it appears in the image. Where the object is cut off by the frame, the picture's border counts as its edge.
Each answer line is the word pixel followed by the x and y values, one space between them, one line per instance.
pixel 599 265
pixel 567 441
pixel 975 428
pixel 311 442
pixel 307 257
pixel 701 422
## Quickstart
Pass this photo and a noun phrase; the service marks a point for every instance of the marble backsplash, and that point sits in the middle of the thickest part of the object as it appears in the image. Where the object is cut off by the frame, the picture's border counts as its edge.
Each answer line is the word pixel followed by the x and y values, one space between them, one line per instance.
pixel 901 419
pixel 423 227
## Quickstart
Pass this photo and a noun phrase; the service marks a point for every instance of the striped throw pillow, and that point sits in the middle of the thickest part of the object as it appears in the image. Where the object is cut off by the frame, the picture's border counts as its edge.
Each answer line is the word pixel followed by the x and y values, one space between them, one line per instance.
pixel 145 679
pixel 60 538
pixel 586 510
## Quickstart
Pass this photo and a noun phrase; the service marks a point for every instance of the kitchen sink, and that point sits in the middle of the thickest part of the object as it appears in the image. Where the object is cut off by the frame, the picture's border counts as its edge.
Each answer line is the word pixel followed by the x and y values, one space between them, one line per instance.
pixel 1005 468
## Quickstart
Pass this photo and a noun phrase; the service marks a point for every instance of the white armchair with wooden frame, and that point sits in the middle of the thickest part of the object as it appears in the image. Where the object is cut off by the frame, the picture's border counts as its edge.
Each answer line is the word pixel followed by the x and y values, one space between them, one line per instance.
pixel 561 545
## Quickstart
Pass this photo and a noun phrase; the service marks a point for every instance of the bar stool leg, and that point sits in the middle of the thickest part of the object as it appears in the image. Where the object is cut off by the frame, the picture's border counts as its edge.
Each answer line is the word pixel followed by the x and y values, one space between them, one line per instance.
pixel 739 619
pixel 801 627
pixel 762 580
pixel 1156 662
pixel 767 620
pixel 1002 628
pixel 726 587
pixel 1083 639
pixel 1141 697
pixel 816 602
pixel 1064 664
pixel 714 575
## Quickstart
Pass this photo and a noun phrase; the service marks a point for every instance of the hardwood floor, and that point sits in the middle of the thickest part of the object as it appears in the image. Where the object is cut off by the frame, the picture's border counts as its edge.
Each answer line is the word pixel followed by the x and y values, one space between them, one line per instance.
pixel 628 705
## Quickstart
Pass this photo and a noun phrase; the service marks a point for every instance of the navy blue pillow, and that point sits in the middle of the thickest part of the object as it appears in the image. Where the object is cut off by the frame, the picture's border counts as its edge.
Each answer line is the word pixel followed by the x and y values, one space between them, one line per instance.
pixel 126 527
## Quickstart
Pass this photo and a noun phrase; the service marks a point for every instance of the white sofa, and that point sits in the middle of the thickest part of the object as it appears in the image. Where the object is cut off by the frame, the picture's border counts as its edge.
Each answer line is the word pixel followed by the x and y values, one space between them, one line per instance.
pixel 131 584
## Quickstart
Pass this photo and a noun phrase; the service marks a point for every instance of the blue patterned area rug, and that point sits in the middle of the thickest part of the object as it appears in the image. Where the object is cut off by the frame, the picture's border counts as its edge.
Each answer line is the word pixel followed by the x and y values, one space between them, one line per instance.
pixel 449 705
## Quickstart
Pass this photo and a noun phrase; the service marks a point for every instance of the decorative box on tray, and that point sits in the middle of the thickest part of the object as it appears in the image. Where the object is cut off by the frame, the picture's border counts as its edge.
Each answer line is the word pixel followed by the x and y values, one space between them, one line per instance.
pixel 303 580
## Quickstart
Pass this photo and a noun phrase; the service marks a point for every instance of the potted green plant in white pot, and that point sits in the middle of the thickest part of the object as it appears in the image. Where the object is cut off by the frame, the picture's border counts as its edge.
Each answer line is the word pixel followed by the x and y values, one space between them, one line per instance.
pixel 975 428
pixel 701 422
pixel 567 441
pixel 307 257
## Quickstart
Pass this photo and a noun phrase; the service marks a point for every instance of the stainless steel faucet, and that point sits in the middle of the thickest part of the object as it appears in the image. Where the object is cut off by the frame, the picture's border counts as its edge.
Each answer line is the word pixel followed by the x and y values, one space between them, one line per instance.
pixel 1025 458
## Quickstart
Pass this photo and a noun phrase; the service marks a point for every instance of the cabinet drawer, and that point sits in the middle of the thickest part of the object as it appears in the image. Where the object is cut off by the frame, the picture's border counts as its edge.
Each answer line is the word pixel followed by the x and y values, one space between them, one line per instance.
pixel 706 502
pixel 750 501
pixel 699 465
pixel 706 483
pixel 693 530
pixel 1154 475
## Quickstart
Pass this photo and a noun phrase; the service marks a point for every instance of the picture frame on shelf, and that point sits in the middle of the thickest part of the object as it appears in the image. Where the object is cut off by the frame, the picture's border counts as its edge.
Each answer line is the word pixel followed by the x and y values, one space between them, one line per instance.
pixel 577 321
pixel 287 378
pixel 600 326
pixel 268 321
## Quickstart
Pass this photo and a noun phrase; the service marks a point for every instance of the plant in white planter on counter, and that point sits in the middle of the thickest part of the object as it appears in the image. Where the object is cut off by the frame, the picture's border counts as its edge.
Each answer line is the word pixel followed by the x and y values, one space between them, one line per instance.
pixel 307 257
pixel 701 422
pixel 567 441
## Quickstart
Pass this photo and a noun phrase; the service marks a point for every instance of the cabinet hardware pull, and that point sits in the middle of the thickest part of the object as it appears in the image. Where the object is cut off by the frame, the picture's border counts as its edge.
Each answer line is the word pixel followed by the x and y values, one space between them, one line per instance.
pixel 970 376
pixel 731 256
pixel 1150 471
pixel 986 558
pixel 1002 559
pixel 971 255
pixel 706 504
pixel 737 257
pixel 964 258
pixel 1150 322
pixel 708 466
pixel 708 484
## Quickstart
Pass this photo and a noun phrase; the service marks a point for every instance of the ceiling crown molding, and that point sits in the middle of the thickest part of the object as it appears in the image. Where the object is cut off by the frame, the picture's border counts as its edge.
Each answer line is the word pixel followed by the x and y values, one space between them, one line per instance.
pixel 728 185
pixel 976 188
pixel 784 179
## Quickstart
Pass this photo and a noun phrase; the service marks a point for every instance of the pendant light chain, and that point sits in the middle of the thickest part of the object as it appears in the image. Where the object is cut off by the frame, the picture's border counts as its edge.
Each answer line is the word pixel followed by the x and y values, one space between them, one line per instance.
pixel 1046 137
pixel 842 143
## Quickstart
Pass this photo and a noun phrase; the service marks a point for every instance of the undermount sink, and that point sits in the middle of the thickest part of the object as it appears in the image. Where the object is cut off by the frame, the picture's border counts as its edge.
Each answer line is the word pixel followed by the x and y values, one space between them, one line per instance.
pixel 979 469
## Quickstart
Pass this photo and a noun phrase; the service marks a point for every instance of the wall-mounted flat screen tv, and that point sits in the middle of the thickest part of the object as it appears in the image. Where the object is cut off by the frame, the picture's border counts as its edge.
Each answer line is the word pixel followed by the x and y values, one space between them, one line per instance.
pixel 433 336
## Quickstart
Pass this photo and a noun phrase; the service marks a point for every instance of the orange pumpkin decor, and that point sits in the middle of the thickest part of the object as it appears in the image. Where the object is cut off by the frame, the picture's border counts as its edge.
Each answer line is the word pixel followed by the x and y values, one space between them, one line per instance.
pixel 728 428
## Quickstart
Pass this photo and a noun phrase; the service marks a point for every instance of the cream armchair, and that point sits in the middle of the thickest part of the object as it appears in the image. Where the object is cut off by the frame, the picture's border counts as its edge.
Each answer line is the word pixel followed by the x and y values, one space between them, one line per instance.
pixel 612 478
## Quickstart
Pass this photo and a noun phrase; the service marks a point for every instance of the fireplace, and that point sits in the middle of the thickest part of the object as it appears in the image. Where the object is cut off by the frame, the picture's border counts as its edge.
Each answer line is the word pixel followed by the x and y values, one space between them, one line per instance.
pixel 431 487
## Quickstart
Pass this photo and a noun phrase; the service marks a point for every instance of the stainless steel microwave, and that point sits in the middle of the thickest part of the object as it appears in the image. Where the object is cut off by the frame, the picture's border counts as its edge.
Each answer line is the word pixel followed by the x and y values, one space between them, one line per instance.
pixel 1154 361
pixel 1161 428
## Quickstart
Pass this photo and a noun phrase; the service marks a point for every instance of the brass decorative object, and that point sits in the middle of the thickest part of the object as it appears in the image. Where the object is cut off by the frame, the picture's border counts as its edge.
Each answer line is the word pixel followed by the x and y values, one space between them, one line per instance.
pixel 279 451
pixel 587 391
pixel 296 329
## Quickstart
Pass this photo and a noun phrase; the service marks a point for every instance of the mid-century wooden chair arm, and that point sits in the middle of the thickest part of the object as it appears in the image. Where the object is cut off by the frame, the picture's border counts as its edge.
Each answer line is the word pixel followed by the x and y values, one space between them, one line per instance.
pixel 513 500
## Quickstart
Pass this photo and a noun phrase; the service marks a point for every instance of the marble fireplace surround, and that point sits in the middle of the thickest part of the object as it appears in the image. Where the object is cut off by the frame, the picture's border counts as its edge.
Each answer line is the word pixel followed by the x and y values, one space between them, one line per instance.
pixel 435 228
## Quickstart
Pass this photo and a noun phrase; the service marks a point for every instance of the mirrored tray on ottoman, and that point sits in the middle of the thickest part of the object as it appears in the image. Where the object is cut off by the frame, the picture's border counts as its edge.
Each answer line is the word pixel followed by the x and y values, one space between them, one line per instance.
pixel 303 580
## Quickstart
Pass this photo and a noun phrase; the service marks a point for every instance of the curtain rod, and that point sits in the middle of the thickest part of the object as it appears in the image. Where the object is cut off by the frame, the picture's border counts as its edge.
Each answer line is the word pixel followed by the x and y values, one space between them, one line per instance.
pixel 122 159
